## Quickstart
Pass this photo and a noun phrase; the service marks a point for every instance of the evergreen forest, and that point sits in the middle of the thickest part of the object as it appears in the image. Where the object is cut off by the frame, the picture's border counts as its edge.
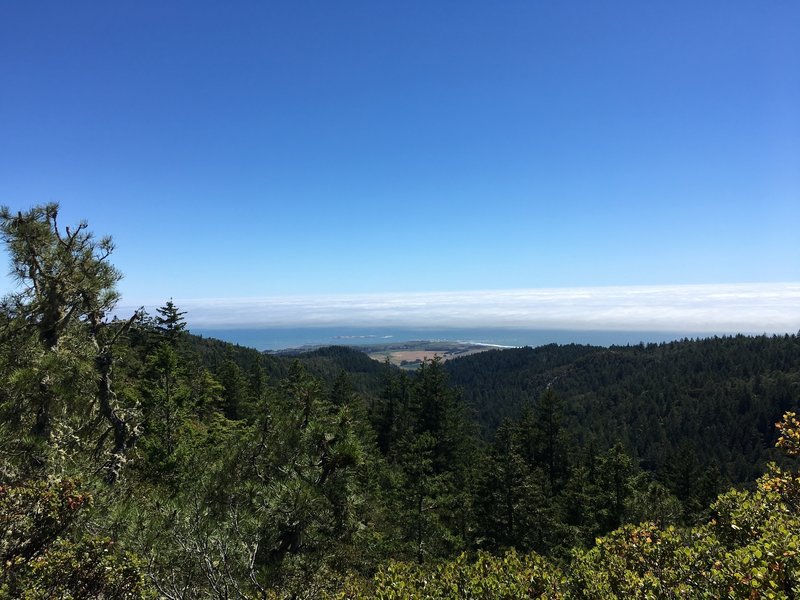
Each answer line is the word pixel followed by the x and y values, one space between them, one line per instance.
pixel 138 460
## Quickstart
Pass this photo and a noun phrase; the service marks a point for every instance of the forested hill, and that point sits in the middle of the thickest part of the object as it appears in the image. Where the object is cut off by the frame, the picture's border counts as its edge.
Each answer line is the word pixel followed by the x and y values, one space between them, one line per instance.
pixel 710 401
pixel 682 406
pixel 139 461
pixel 679 407
pixel 254 369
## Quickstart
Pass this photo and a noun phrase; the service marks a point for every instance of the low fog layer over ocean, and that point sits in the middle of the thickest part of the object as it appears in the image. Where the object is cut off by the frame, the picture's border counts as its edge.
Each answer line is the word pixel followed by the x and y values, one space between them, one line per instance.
pixel 610 315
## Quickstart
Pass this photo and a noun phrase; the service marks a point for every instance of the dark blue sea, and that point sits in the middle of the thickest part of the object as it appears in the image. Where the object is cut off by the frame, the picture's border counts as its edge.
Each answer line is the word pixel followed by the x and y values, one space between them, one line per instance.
pixel 279 338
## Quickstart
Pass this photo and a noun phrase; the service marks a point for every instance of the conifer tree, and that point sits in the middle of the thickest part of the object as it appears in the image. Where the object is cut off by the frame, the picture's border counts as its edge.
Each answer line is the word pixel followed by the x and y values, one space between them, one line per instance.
pixel 170 321
pixel 67 290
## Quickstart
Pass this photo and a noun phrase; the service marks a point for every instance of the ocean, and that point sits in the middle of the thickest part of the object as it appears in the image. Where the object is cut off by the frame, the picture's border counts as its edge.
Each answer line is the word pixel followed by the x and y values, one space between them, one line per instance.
pixel 280 338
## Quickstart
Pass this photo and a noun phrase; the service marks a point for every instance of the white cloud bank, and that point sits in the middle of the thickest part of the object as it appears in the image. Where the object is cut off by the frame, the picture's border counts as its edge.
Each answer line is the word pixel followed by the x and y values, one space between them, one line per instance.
pixel 745 308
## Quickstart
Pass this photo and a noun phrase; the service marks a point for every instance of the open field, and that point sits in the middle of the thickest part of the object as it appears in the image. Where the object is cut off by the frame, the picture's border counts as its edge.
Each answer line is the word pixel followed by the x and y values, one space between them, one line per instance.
pixel 409 355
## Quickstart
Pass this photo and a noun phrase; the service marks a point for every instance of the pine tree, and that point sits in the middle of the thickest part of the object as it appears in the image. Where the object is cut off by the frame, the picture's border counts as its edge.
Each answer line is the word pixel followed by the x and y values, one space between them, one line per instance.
pixel 170 321
pixel 68 290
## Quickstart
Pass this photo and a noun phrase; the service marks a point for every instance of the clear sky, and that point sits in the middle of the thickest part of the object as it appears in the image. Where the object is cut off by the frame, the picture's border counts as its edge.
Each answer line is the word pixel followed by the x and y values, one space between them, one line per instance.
pixel 250 149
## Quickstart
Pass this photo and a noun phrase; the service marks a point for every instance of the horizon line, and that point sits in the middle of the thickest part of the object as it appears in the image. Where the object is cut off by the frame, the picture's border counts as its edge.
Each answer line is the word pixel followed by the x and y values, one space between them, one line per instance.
pixel 713 308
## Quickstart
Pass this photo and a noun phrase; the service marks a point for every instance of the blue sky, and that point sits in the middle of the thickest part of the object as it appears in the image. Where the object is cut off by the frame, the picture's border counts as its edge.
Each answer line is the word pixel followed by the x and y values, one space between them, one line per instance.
pixel 254 149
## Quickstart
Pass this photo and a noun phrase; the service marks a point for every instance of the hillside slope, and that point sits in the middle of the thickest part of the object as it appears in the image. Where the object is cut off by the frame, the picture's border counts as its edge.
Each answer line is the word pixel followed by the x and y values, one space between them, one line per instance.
pixel 711 401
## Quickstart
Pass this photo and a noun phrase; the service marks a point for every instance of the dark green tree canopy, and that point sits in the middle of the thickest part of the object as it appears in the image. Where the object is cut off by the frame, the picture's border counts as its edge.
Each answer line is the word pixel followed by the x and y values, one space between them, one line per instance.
pixel 67 290
pixel 170 320
pixel 64 274
pixel 238 474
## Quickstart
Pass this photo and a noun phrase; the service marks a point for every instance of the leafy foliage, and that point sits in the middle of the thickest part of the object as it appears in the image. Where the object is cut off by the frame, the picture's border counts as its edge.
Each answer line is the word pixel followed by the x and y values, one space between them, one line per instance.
pixel 41 561
pixel 487 577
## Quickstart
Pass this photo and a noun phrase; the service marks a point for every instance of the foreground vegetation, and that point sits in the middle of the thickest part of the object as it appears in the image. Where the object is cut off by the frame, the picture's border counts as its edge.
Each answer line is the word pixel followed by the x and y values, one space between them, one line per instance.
pixel 139 461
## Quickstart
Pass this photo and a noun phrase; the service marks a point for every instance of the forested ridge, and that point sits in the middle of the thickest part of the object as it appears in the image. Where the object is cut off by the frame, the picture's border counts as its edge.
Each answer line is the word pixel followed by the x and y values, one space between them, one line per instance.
pixel 138 460
pixel 716 399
